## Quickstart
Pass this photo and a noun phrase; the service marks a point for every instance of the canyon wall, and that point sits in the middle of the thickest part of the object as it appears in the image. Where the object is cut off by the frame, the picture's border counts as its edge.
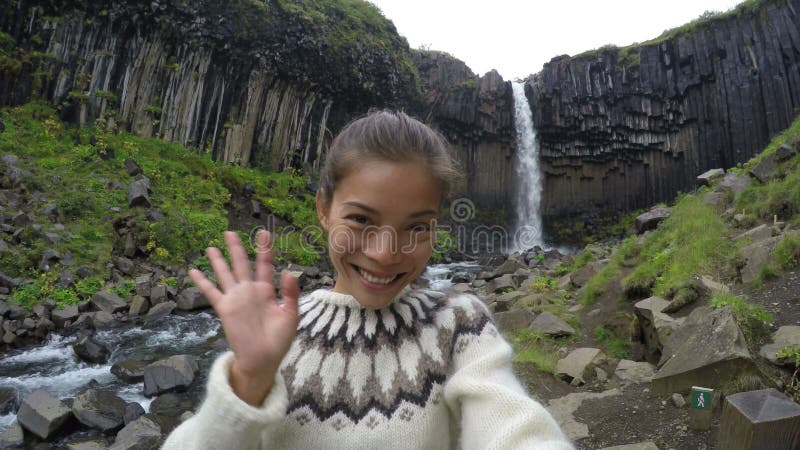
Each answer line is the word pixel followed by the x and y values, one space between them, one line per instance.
pixel 621 129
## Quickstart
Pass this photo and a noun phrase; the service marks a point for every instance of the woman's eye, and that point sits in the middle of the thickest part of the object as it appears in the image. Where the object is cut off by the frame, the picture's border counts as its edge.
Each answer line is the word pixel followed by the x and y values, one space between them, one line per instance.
pixel 361 220
pixel 420 228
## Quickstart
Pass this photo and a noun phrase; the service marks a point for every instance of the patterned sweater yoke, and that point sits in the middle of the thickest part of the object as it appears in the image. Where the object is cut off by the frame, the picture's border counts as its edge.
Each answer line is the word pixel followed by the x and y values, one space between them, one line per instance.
pixel 427 371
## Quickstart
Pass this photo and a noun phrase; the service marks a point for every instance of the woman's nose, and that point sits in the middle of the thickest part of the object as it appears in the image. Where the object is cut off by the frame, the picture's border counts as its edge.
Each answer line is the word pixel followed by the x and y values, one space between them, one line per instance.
pixel 382 246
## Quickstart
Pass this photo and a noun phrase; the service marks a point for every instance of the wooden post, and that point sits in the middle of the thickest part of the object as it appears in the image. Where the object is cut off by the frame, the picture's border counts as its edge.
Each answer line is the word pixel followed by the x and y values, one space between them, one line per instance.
pixel 759 420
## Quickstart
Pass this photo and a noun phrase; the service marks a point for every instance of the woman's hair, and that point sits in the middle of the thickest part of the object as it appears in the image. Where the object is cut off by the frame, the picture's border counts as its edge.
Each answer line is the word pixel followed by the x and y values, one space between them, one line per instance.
pixel 388 136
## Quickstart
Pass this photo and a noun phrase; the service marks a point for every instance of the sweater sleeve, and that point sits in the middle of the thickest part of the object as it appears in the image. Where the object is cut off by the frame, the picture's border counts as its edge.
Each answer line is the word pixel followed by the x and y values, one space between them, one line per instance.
pixel 495 411
pixel 224 420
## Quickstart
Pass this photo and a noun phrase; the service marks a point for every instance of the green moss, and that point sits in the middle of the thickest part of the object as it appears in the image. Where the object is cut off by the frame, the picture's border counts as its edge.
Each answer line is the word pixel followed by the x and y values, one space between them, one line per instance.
pixel 616 346
pixel 535 348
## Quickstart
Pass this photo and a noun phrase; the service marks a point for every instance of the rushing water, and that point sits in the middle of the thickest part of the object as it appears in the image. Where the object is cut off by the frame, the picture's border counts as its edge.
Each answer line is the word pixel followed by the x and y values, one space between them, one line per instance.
pixel 528 223
pixel 54 367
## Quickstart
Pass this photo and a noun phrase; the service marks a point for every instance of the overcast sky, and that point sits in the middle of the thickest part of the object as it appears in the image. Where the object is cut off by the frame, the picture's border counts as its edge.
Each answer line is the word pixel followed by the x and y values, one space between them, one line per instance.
pixel 517 37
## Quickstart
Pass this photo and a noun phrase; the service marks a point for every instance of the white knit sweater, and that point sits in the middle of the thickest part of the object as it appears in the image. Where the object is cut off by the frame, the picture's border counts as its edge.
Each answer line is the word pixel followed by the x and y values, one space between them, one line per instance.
pixel 426 372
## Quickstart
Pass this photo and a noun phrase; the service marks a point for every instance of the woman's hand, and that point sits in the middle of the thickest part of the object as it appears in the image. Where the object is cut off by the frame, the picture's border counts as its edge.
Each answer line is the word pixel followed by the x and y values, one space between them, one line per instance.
pixel 258 329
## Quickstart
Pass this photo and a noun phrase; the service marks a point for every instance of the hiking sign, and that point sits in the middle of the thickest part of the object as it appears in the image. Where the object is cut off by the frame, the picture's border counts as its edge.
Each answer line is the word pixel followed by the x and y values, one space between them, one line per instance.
pixel 701 398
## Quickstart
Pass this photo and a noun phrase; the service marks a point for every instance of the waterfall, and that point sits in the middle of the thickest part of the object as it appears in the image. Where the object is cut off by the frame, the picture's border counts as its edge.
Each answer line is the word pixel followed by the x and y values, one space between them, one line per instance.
pixel 528 224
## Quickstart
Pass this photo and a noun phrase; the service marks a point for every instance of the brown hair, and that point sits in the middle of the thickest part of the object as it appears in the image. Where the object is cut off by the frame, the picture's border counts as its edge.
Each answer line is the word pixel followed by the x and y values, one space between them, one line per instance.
pixel 388 136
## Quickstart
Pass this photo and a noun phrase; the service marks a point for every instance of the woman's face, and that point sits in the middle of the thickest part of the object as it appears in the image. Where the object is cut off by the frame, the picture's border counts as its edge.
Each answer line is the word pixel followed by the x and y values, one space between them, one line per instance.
pixel 380 224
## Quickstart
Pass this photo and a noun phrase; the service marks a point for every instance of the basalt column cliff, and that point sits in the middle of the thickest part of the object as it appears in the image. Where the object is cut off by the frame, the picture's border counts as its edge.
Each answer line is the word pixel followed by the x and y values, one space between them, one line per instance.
pixel 621 129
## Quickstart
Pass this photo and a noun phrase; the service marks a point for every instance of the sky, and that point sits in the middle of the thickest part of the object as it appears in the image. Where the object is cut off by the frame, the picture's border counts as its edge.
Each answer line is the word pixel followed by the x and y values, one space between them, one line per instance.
pixel 517 37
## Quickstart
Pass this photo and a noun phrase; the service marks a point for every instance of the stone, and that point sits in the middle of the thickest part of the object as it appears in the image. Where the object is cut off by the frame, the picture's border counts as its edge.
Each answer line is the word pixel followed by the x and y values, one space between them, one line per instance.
pixel 708 350
pixel 757 234
pixel 109 302
pixel 90 350
pixel 9 400
pixel 646 445
pixel 100 410
pixel 513 321
pixel 138 194
pixel 733 183
pixel 718 201
pixel 141 434
pixel 461 288
pixel 678 400
pixel 478 283
pixel 143 285
pixel 462 277
pixel 757 256
pixel 504 302
pixel 159 311
pixel 173 373
pixel 102 320
pixel 655 325
pixel 551 325
pixel 129 370
pixel 21 219
pixel 132 167
pixel 192 298
pixel 578 366
pixel 88 444
pixel 167 409
pixel 501 284
pixel 713 286
pixel 133 411
pixel 509 267
pixel 784 152
pixel 13 437
pixel 42 414
pixel 786 336
pixel 765 169
pixel 139 306
pixel 563 408
pixel 632 372
pixel 255 208
pixel 582 276
pixel 708 178
pixel 158 294
pixel 125 265
pixel 650 220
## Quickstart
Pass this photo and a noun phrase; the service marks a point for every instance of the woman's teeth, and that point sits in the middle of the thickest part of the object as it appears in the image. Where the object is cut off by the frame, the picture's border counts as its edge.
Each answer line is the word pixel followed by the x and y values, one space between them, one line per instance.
pixel 376 280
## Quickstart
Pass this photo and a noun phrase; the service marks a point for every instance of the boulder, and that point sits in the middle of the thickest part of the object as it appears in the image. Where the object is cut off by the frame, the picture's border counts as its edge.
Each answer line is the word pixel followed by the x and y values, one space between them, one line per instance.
pixel 650 220
pixel 129 370
pixel 143 285
pixel 513 321
pixel 578 366
pixel 582 276
pixel 109 302
pixel 158 294
pixel 756 256
pixel 99 409
pixel 49 259
pixel 508 267
pixel 42 414
pixel 9 400
pixel 141 434
pixel 13 437
pixel 733 183
pixel 159 311
pixel 765 169
pixel 708 350
pixel 90 350
pixel 632 372
pixel 138 194
pixel 712 286
pixel 718 201
pixel 461 288
pixel 549 324
pixel 786 337
pixel 103 320
pixel 133 411
pixel 784 152
pixel 167 409
pixel 88 444
pixel 462 277
pixel 757 234
pixel 709 177
pixel 501 284
pixel 173 373
pixel 504 302
pixel 192 298
pixel 139 306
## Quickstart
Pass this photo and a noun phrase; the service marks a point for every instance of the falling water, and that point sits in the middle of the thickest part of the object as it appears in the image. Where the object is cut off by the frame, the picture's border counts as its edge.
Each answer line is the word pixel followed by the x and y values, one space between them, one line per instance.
pixel 528 225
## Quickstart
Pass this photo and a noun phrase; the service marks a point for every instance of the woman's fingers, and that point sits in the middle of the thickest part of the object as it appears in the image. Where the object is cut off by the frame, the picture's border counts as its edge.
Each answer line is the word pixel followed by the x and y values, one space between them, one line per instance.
pixel 221 270
pixel 239 261
pixel 264 267
pixel 290 291
pixel 206 286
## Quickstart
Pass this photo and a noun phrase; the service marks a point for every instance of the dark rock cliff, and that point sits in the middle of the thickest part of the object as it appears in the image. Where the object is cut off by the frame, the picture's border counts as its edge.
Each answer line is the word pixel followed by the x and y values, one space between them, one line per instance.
pixel 621 129
pixel 476 114
pixel 255 82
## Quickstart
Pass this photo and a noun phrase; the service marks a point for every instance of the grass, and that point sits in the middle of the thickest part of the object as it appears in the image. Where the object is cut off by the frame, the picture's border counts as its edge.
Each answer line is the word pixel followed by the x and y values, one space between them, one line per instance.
pixel 616 346
pixel 537 349
pixel 752 319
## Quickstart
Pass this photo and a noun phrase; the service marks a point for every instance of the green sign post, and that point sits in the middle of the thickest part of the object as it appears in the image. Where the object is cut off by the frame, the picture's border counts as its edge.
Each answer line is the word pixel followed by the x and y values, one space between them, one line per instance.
pixel 701 405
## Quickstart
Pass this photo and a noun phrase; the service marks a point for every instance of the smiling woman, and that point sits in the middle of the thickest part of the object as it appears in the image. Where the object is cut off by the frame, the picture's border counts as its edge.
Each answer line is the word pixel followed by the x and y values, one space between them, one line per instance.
pixel 371 363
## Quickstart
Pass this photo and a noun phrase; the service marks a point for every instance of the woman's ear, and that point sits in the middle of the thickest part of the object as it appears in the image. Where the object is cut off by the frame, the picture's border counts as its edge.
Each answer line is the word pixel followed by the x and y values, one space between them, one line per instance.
pixel 323 208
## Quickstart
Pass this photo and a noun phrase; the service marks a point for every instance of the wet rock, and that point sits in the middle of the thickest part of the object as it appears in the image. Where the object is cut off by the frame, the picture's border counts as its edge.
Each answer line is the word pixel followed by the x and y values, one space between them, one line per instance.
pixel 707 350
pixel 99 409
pixel 89 443
pixel 547 323
pixel 133 411
pixel 103 320
pixel 174 373
pixel 578 366
pixel 109 302
pixel 141 434
pixel 461 288
pixel 650 220
pixel 130 370
pixel 786 337
pixel 709 177
pixel 42 414
pixel 159 311
pixel 139 306
pixel 43 327
pixel 513 321
pixel 90 350
pixel 461 277
pixel 167 409
pixel 9 400
pixel 192 298
pixel 13 437
pixel 632 372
